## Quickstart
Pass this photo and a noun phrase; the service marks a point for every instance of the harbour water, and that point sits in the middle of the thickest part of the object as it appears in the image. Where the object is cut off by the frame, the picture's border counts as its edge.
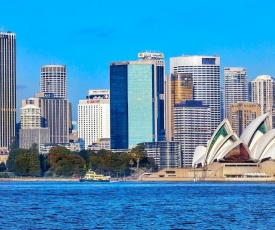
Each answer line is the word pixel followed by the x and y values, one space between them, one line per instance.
pixel 137 205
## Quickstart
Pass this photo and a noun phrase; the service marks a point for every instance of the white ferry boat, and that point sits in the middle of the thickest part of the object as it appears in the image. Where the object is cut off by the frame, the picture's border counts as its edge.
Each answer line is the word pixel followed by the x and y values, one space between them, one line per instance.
pixel 91 176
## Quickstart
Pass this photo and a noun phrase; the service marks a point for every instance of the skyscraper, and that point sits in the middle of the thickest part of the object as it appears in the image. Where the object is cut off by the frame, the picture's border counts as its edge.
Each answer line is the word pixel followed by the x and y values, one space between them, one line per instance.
pixel 94 118
pixel 235 87
pixel 178 88
pixel 242 114
pixel 205 71
pixel 7 88
pixel 54 113
pixel 222 103
pixel 53 80
pixel 31 131
pixel 262 92
pixel 192 128
pixel 137 101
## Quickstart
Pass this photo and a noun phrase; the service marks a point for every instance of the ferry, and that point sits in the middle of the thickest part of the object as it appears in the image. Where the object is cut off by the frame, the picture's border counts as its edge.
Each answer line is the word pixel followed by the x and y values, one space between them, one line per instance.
pixel 91 176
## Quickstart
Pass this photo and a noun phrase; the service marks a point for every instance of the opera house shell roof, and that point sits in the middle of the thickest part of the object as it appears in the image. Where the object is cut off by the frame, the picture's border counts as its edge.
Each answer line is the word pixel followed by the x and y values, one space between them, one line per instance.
pixel 256 144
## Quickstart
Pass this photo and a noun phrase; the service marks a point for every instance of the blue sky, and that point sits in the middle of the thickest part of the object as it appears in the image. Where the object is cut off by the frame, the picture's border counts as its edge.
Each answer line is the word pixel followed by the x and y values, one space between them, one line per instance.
pixel 87 35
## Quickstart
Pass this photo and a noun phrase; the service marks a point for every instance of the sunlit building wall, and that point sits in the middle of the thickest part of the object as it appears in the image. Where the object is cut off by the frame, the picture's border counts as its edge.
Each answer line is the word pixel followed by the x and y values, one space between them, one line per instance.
pixel 242 114
pixel 235 87
pixel 192 128
pixel 205 71
pixel 93 118
pixel 178 88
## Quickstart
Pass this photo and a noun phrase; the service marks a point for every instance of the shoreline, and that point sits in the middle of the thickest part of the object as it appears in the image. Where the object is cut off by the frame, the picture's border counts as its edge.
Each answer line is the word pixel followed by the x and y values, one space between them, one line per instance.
pixel 37 179
pixel 146 180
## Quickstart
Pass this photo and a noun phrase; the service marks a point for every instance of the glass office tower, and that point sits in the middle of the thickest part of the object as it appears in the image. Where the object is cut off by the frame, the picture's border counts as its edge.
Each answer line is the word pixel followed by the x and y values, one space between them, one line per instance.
pixel 137 101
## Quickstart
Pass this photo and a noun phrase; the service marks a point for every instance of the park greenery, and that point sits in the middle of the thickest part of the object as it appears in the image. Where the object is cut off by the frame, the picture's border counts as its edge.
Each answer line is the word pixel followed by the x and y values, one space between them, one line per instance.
pixel 61 162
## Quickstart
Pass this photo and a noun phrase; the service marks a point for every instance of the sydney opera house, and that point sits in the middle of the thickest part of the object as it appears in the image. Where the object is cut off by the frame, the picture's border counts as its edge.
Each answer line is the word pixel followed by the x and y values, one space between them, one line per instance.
pixel 229 157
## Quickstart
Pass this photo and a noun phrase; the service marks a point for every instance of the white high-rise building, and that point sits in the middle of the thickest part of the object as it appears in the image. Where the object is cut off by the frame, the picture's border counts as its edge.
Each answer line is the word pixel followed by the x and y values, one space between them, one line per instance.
pixel 94 118
pixel 30 117
pixel 235 87
pixel 31 131
pixel 53 80
pixel 205 72
pixel 262 92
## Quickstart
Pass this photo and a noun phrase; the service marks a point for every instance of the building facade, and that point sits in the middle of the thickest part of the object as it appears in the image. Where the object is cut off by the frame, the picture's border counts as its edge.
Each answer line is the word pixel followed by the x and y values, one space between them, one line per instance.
pixel 205 71
pixel 93 118
pixel 178 88
pixel 53 80
pixel 222 103
pixel 30 117
pixel 166 154
pixel 31 131
pixel 242 114
pixel 137 101
pixel 54 115
pixel 192 128
pixel 7 88
pixel 262 92
pixel 235 87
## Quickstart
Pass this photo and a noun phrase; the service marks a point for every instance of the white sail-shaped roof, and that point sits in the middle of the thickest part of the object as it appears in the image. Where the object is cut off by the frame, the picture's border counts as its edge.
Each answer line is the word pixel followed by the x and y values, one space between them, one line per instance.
pixel 199 154
pixel 218 137
pixel 270 153
pixel 228 141
pixel 256 129
pixel 263 145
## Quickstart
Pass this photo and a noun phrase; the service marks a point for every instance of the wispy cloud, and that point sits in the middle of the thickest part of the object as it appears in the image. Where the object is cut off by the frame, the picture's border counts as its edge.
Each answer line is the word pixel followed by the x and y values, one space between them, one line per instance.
pixel 20 87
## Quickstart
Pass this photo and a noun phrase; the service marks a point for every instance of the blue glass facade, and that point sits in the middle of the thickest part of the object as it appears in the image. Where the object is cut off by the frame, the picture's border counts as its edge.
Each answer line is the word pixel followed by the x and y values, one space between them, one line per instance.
pixel 160 110
pixel 140 104
pixel 118 106
pixel 136 103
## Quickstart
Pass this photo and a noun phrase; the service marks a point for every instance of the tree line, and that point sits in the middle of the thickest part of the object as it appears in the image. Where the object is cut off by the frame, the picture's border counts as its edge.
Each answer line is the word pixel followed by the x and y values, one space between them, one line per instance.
pixel 61 162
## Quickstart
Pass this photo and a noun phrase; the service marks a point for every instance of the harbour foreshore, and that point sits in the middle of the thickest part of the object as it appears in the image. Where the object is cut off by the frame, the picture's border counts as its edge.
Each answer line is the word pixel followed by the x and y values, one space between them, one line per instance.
pixel 38 179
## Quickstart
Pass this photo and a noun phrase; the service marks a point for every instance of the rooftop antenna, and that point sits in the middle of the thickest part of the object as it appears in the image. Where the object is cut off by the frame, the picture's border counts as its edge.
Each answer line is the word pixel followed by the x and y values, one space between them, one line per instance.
pixel 2 28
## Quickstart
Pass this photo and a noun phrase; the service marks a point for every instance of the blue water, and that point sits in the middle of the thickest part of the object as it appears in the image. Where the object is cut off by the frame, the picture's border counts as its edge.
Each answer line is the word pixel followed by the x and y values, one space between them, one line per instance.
pixel 74 205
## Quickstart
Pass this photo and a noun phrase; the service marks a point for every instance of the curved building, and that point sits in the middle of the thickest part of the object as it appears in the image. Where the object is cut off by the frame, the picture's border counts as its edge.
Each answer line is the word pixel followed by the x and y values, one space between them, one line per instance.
pixel 53 80
pixel 256 144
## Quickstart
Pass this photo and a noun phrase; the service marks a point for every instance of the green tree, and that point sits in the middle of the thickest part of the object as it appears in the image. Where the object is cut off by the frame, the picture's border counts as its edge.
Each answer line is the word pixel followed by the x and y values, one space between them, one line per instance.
pixel 34 148
pixel 2 167
pixel 138 153
pixel 34 164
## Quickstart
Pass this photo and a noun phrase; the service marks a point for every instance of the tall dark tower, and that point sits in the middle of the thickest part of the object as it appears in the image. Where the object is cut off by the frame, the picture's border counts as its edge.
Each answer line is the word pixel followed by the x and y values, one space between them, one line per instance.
pixel 7 88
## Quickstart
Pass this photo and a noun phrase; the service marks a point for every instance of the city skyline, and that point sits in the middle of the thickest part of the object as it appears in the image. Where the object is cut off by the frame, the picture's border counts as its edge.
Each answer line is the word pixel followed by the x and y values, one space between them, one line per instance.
pixel 86 37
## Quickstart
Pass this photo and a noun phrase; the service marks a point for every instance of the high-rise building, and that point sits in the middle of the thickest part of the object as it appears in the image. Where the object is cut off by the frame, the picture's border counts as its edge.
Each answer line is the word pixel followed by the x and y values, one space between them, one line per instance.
pixel 7 88
pixel 242 114
pixel 31 131
pixel 54 113
pixel 93 118
pixel 222 103
pixel 53 80
pixel 30 116
pixel 137 101
pixel 192 128
pixel 205 71
pixel 178 88
pixel 262 92
pixel 235 87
